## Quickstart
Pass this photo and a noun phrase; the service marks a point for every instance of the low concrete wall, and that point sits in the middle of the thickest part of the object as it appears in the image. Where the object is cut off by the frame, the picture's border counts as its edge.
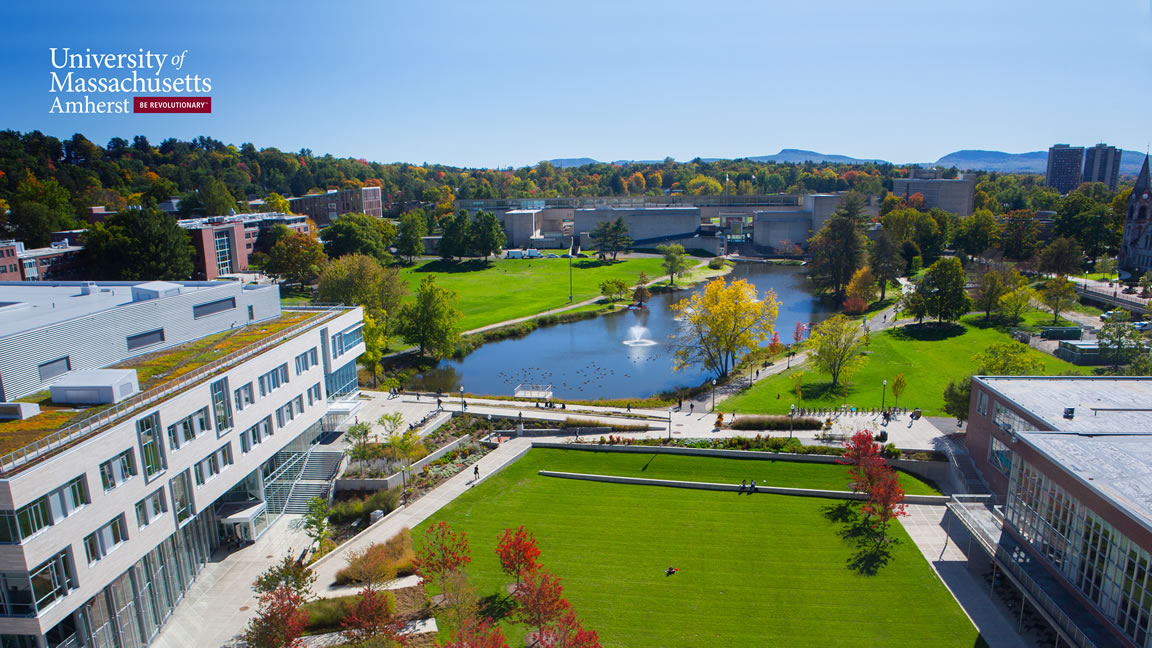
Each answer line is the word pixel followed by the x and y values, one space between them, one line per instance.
pixel 392 481
pixel 585 431
pixel 939 472
pixel 736 488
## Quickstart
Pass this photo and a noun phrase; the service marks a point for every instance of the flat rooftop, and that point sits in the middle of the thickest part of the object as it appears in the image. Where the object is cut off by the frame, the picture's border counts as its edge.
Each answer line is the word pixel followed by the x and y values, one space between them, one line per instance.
pixel 33 304
pixel 1106 445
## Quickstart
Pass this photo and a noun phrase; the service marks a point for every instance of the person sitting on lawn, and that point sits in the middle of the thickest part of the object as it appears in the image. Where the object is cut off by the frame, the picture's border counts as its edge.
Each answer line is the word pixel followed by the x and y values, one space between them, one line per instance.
pixel 671 570
pixel 753 486
pixel 743 485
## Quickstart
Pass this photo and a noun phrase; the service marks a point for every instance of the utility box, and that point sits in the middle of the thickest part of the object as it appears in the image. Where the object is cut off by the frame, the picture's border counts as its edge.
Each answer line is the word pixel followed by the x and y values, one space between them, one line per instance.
pixel 96 387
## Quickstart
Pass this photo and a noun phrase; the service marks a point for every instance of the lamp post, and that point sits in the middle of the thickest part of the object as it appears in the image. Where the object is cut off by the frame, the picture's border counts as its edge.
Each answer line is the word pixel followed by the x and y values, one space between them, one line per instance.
pixel 883 393
pixel 791 413
pixel 713 394
pixel 669 424
pixel 461 399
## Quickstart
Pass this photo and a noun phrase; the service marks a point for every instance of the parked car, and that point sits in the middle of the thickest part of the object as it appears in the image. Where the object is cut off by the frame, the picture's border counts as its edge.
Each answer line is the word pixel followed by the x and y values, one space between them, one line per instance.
pixel 565 256
pixel 1142 326
pixel 581 256
pixel 1129 290
pixel 1109 315
pixel 552 256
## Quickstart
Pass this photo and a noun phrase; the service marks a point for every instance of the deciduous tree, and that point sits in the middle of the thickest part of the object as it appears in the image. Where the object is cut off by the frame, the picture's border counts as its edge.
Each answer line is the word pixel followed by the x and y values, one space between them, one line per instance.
pixel 993 285
pixel 296 258
pixel 977 233
pixel 477 633
pixel 486 235
pixel 539 601
pixel 410 235
pixel 943 290
pixel 674 260
pixel 517 551
pixel 280 621
pixel 138 244
pixel 957 396
pixel 837 347
pixel 914 305
pixel 886 262
pixel 1008 359
pixel 430 320
pixel 862 456
pixel 641 294
pixel 359 234
pixel 371 618
pixel 1015 303
pixel 1058 295
pixel 899 384
pixel 722 323
pixel 885 500
pixel 444 551
pixel 1119 339
pixel 614 289
pixel 1061 257
pixel 290 573
pixel 863 285
pixel 569 632
pixel 316 521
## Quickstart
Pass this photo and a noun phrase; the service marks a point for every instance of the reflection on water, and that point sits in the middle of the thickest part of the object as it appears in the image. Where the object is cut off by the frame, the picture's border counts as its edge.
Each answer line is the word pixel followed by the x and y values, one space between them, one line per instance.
pixel 623 355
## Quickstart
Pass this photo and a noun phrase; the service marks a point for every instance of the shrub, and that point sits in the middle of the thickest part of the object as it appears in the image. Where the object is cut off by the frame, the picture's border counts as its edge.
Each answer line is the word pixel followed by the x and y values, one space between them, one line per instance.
pixel 395 554
pixel 350 510
pixel 571 422
pixel 774 423
pixel 325 615
pixel 855 305
pixel 716 263
pixel 890 451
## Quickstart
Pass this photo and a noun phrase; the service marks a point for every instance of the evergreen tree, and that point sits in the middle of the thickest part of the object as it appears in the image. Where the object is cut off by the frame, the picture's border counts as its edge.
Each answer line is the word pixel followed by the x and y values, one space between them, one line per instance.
pixel 838 249
pixel 886 262
pixel 486 234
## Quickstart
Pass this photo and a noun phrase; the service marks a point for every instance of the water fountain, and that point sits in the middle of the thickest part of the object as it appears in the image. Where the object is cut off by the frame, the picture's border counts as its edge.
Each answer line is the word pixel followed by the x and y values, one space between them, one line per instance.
pixel 638 336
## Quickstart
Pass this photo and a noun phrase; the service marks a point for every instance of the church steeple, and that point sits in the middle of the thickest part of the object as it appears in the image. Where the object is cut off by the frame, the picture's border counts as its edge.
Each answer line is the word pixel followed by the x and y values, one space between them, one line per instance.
pixel 1142 183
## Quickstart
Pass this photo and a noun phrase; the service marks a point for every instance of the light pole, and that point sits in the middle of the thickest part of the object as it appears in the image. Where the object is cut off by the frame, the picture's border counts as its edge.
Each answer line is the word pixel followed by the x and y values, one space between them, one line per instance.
pixel 883 393
pixel 461 399
pixel 791 413
pixel 713 394
pixel 669 425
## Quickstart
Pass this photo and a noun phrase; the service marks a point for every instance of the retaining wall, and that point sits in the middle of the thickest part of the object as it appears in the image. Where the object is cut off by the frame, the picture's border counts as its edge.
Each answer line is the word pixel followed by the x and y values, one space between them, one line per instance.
pixel 392 481
pixel 736 488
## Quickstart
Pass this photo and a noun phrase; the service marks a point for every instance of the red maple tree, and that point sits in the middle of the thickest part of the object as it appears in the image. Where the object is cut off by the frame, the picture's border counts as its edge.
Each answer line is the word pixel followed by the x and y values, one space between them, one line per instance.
pixel 775 346
pixel 477 633
pixel 539 601
pixel 569 632
pixel 862 455
pixel 885 499
pixel 798 333
pixel 280 621
pixel 444 551
pixel 518 552
pixel 372 617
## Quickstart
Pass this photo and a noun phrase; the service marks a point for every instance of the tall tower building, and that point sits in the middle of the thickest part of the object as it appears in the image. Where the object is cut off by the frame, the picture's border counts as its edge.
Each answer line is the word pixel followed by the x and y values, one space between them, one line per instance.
pixel 1136 245
pixel 1064 167
pixel 1102 164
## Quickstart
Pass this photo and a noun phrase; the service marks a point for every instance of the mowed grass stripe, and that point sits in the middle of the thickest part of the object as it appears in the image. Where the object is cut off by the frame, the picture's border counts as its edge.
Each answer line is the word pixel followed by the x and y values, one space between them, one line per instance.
pixel 756 570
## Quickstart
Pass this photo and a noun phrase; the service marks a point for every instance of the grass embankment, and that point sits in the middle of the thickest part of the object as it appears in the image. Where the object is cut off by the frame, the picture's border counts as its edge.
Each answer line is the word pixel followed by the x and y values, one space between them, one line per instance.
pixel 929 356
pixel 505 289
pixel 755 570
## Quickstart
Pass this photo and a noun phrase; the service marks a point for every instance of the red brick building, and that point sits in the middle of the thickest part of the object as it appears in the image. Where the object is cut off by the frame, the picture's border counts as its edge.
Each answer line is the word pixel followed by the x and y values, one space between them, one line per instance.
pixel 324 208
pixel 223 244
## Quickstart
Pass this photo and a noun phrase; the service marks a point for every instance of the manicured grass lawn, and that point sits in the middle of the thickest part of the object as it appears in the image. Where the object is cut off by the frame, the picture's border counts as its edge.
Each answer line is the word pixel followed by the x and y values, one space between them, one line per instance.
pixel 504 289
pixel 759 570
pixel 789 474
pixel 926 358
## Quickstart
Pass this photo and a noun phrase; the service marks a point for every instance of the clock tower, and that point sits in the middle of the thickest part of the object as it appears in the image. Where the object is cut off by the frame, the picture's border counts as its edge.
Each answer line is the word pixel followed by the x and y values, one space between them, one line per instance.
pixel 1136 245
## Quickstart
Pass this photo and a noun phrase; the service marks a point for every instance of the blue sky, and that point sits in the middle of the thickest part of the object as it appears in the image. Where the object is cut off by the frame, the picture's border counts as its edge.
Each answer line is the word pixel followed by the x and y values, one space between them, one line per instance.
pixel 510 83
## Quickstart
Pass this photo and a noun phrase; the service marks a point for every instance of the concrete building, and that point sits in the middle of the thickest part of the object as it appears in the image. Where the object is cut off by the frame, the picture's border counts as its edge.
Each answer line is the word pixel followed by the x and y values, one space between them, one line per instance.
pixel 60 261
pixel 1064 166
pixel 224 243
pixel 1136 242
pixel 951 195
pixel 107 516
pixel 1102 164
pixel 709 223
pixel 1069 461
pixel 324 208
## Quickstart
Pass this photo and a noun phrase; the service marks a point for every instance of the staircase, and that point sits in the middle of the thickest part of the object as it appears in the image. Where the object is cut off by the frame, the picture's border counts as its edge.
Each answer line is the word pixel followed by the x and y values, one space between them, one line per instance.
pixel 315 480
pixel 959 456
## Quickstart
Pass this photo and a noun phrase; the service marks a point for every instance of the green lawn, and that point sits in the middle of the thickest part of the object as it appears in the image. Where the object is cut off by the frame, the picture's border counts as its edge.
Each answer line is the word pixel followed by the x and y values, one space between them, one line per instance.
pixel 927 361
pixel 759 570
pixel 504 289
pixel 789 474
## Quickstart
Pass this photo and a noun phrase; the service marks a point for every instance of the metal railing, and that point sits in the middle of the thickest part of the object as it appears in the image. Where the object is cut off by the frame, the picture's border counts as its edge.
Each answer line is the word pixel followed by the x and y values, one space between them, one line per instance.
pixel 104 418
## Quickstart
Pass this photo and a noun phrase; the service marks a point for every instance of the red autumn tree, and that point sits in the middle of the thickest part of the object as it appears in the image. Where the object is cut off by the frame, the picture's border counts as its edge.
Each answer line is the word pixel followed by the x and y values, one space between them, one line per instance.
pixel 477 633
pixel 862 455
pixel 280 621
pixel 569 632
pixel 444 551
pixel 775 346
pixel 885 500
pixel 372 617
pixel 539 601
pixel 518 552
pixel 798 333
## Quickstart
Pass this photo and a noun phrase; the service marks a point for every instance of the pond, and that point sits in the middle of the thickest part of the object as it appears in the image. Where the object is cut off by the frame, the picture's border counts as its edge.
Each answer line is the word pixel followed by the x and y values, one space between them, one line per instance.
pixel 623 355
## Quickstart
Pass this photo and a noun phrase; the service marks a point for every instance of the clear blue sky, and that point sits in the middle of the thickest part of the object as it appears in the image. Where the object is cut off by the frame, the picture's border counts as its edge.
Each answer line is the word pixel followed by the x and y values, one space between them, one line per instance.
pixel 510 83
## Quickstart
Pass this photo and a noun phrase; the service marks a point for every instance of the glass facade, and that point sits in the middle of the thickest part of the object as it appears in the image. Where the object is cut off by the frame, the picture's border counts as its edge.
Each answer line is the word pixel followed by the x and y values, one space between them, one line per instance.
pixel 151 450
pixel 223 252
pixel 1108 568
pixel 221 406
pixel 342 381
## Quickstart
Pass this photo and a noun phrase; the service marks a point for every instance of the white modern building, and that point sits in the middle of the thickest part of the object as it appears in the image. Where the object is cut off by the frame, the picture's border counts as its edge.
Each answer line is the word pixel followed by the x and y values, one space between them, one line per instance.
pixel 109 511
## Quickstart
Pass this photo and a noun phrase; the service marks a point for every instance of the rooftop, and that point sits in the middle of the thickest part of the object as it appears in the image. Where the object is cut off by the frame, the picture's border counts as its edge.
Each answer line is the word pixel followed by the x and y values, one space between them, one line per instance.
pixel 158 373
pixel 33 304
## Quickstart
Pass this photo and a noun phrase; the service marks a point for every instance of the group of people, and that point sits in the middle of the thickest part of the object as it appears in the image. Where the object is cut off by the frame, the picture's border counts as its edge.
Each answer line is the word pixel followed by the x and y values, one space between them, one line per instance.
pixel 745 487
pixel 549 405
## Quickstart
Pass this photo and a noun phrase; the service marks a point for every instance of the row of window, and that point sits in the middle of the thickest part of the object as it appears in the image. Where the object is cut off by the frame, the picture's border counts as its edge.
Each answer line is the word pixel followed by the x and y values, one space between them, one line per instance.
pixel 307 360
pixel 273 380
pixel 345 340
pixel 31 519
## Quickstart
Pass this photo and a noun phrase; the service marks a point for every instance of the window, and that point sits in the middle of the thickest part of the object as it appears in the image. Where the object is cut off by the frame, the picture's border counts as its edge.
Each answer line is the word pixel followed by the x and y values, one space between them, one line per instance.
pixel 151 451
pixel 307 360
pixel 982 403
pixel 1000 456
pixel 51 580
pixel 343 341
pixel 117 470
pixel 181 492
pixel 106 539
pixel 30 519
pixel 342 381
pixel 298 405
pixel 252 437
pixel 145 339
pixel 50 370
pixel 213 307
pixel 273 380
pixel 314 395
pixel 187 429
pixel 213 464
pixel 221 407
pixel 150 508
pixel 243 396
pixel 223 252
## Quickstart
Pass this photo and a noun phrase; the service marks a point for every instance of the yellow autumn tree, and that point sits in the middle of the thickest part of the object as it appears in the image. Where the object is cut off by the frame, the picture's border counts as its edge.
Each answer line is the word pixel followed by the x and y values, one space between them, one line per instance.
pixel 863 285
pixel 722 323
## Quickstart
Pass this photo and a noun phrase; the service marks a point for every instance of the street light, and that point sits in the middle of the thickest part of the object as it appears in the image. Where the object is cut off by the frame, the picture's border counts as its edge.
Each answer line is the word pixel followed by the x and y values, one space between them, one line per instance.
pixel 669 425
pixel 713 394
pixel 791 413
pixel 461 399
pixel 883 393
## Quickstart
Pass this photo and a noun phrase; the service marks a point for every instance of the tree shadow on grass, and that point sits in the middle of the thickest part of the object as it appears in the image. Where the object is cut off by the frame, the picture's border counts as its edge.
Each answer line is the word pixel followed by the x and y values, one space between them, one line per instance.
pixel 445 266
pixel 495 607
pixel 823 391
pixel 928 332
pixel 873 552
pixel 584 264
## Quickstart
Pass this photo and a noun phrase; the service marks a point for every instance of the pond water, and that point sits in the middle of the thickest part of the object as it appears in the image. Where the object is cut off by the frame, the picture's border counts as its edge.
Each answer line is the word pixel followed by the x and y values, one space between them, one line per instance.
pixel 627 354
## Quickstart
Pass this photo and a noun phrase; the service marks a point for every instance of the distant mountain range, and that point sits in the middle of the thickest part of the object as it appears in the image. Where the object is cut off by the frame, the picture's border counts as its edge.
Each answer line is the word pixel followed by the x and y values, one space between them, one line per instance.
pixel 1033 162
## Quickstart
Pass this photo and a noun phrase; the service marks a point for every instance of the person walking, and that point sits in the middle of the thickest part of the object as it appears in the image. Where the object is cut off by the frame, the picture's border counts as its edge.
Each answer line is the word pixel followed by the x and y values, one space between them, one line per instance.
pixel 476 472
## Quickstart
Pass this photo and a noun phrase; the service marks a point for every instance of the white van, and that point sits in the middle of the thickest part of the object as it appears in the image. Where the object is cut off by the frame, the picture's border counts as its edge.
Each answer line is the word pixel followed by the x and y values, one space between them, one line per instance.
pixel 514 254
pixel 532 253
